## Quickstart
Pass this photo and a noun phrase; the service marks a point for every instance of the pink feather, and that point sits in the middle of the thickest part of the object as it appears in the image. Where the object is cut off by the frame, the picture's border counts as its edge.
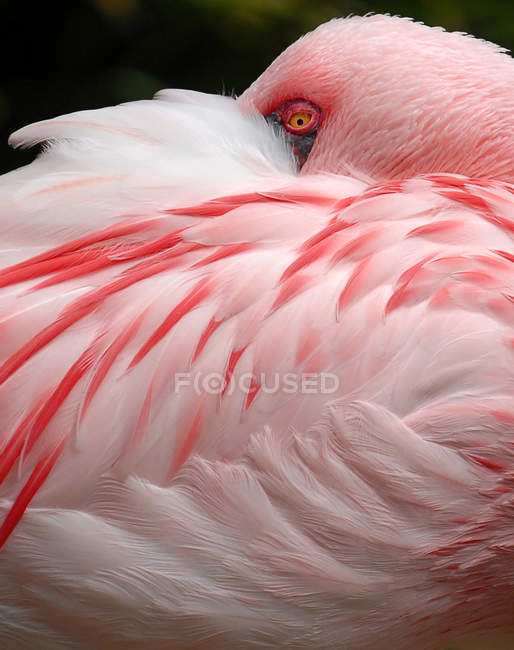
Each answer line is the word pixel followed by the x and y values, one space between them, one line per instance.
pixel 247 407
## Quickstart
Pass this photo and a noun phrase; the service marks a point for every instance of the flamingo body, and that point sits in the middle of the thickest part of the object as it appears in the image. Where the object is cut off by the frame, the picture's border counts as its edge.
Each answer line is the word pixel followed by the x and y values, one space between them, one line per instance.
pixel 246 407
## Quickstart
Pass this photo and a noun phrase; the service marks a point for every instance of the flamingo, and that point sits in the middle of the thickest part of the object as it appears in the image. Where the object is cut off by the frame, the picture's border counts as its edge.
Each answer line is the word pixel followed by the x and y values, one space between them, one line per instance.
pixel 257 358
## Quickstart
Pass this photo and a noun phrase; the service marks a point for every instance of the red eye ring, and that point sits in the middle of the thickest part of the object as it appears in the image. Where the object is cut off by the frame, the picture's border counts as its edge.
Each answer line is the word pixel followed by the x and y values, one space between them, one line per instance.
pixel 299 116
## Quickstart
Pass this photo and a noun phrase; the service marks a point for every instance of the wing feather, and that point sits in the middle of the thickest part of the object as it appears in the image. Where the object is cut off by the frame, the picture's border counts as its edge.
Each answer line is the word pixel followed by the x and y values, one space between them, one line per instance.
pixel 195 255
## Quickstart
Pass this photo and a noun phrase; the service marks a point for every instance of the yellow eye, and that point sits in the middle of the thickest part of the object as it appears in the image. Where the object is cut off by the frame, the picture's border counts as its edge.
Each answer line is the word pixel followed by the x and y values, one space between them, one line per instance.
pixel 299 120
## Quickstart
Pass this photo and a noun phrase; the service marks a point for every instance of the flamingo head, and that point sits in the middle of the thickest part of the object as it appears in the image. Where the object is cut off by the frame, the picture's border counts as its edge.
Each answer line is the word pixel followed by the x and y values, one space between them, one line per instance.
pixel 384 97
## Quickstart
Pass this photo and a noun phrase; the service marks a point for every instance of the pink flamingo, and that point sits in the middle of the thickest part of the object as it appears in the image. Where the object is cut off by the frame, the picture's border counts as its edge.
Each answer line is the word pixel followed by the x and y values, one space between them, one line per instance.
pixel 244 407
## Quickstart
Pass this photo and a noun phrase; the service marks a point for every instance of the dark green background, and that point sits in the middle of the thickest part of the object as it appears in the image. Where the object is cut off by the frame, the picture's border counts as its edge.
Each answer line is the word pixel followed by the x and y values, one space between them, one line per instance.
pixel 61 57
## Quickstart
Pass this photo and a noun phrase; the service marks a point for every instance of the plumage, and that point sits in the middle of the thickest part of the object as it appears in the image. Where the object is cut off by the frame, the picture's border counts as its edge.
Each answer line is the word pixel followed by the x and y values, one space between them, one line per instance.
pixel 246 407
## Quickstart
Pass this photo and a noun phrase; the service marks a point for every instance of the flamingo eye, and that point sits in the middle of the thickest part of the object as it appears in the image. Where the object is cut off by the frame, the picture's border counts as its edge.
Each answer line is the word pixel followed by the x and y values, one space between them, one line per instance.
pixel 300 120
pixel 299 116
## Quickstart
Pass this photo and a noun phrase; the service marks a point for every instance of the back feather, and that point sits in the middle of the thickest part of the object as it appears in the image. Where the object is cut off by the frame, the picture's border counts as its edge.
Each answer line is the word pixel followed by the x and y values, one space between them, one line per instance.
pixel 163 268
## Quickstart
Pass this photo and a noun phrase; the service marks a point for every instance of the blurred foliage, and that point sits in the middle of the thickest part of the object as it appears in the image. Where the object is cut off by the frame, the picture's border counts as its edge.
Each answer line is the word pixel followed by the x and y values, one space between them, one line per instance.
pixel 60 57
